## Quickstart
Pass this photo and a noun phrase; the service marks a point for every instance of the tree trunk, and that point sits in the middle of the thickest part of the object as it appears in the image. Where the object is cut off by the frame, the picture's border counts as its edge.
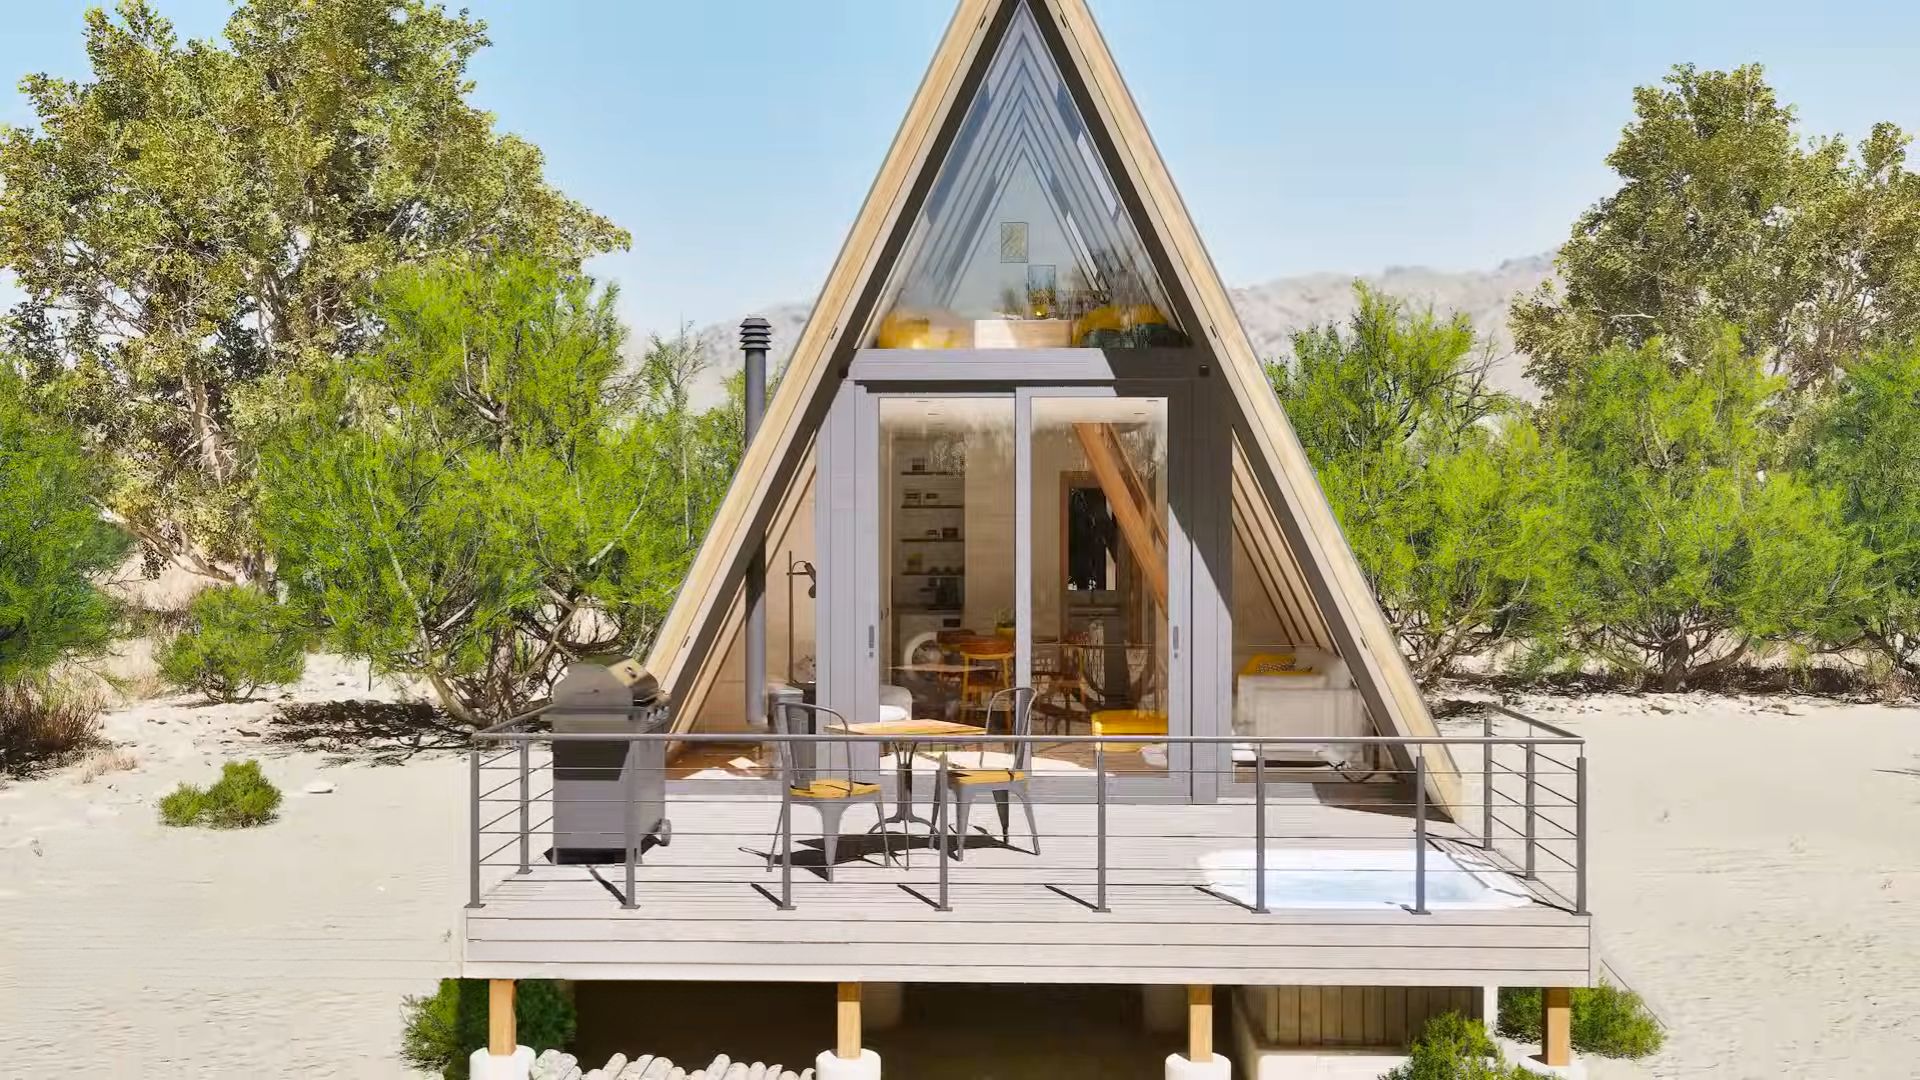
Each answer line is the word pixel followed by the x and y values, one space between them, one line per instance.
pixel 450 701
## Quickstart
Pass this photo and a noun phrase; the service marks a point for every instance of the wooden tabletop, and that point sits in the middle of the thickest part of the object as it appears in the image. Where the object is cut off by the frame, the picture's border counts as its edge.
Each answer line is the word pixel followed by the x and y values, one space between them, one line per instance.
pixel 937 667
pixel 913 727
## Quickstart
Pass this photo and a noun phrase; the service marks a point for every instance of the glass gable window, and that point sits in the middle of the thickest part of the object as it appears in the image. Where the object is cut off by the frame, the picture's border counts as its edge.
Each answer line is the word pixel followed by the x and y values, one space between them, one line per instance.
pixel 1023 242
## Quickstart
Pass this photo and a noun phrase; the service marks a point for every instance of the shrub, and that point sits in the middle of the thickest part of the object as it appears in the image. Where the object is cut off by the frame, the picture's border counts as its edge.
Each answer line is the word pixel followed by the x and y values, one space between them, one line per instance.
pixel 1452 1047
pixel 443 1031
pixel 1607 1021
pixel 111 759
pixel 54 546
pixel 237 640
pixel 44 723
pixel 240 799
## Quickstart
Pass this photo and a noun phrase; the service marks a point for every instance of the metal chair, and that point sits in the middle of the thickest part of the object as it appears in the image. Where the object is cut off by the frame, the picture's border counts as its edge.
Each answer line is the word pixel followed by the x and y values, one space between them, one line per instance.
pixel 808 784
pixel 964 782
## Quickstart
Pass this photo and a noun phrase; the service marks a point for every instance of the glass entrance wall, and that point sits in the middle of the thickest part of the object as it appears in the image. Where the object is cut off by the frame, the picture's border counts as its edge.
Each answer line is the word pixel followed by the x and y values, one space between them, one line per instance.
pixel 1100 569
pixel 947 513
pixel 1023 241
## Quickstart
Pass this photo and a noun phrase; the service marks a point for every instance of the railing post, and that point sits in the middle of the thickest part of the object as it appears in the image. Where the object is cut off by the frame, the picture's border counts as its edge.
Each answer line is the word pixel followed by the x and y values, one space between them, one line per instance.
pixel 526 813
pixel 1100 826
pixel 1419 830
pixel 941 852
pixel 1580 834
pixel 1532 753
pixel 473 849
pixel 1260 827
pixel 786 834
pixel 1486 784
pixel 631 806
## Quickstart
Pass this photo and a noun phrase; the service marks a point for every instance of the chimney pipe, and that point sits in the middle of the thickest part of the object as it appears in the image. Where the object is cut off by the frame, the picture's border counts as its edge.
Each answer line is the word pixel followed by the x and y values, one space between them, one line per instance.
pixel 755 335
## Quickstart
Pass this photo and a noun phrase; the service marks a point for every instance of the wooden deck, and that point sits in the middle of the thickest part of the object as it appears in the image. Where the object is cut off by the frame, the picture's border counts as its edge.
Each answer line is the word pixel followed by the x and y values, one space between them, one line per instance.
pixel 707 907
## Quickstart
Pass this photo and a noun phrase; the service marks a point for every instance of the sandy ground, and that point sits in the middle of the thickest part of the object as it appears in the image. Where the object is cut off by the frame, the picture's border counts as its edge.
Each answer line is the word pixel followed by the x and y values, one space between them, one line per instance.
pixel 133 949
pixel 1757 877
pixel 1756 874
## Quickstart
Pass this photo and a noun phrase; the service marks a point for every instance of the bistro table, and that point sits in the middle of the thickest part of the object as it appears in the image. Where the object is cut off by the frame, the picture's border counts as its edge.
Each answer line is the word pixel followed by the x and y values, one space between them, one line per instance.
pixel 903 754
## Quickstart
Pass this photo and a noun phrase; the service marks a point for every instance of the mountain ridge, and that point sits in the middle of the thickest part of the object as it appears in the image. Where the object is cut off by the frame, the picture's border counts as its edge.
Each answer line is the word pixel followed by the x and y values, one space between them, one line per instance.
pixel 1271 311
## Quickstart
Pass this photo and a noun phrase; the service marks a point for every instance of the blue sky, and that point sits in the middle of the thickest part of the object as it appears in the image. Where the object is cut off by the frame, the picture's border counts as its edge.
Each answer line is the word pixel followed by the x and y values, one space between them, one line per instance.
pixel 736 138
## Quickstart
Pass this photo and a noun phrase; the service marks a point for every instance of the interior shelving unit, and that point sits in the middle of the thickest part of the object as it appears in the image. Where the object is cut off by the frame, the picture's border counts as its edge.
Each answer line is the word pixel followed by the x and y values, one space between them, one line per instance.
pixel 928 541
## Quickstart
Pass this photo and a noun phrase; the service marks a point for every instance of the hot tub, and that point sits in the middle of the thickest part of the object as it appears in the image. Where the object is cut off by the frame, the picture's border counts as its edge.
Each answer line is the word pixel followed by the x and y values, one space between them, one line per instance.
pixel 1329 878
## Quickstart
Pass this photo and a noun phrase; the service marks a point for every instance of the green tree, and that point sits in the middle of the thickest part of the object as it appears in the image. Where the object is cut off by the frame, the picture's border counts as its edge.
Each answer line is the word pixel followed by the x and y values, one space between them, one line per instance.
pixel 1442 486
pixel 1864 443
pixel 483 495
pixel 1726 216
pixel 191 227
pixel 1695 545
pixel 54 547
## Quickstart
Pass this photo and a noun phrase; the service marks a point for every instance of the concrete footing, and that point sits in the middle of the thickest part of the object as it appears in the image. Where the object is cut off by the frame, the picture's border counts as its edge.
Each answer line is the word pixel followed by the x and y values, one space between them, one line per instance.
pixel 484 1066
pixel 829 1067
pixel 1215 1068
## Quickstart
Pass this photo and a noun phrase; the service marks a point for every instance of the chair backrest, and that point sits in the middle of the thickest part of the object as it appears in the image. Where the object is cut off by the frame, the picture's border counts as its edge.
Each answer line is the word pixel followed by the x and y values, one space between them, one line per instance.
pixel 800 762
pixel 1020 723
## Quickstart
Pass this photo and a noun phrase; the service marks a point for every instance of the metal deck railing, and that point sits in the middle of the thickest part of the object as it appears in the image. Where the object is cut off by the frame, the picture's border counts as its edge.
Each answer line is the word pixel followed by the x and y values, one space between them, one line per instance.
pixel 1516 807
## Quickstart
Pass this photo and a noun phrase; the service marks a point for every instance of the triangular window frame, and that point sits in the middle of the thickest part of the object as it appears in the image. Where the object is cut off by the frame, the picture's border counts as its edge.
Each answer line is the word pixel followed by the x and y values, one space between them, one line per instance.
pixel 1023 238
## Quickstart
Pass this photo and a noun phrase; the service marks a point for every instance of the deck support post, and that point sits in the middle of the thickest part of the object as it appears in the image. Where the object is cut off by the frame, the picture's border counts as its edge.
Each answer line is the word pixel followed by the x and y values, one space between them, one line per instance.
pixel 848 1060
pixel 1199 1023
pixel 1200 1062
pixel 503 1058
pixel 1556 1026
pixel 847 1040
pixel 501 1036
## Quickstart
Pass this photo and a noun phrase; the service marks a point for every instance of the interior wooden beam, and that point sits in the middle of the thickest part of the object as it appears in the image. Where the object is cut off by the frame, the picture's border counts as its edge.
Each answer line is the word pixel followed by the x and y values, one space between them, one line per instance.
pixel 1199 1023
pixel 501 1036
pixel 1556 1026
pixel 847 1038
pixel 1131 505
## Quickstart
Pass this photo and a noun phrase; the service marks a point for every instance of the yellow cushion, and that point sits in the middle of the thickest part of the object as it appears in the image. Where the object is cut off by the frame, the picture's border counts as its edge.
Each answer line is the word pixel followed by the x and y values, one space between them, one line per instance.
pixel 987 776
pixel 1284 663
pixel 833 789
pixel 1129 722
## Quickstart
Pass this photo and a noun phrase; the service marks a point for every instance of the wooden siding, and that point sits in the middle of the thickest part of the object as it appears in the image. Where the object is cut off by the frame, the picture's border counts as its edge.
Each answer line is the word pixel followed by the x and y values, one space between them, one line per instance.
pixel 1349 1016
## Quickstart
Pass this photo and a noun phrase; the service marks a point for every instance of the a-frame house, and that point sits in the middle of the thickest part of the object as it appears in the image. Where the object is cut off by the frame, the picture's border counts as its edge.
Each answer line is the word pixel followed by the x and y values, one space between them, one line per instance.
pixel 1024 458
pixel 1022 252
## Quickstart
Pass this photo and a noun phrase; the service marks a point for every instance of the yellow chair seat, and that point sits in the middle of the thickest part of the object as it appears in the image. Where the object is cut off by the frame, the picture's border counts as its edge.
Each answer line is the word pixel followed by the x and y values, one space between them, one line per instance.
pixel 833 789
pixel 1129 722
pixel 986 776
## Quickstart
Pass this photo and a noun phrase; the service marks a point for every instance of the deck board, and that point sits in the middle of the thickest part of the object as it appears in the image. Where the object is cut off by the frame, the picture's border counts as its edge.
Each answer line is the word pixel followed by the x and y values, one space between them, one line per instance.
pixel 706 909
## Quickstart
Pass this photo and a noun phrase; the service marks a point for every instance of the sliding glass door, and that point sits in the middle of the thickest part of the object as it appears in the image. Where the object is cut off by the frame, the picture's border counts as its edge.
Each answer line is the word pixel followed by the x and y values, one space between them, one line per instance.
pixel 1104 572
pixel 1025 537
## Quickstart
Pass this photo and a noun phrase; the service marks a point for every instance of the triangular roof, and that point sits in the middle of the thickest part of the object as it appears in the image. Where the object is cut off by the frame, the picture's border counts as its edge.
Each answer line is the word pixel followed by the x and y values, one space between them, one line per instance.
pixel 1274 482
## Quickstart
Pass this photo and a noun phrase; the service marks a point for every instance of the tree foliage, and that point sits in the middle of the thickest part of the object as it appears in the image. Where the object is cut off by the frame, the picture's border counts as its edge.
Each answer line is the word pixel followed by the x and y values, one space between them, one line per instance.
pixel 54 548
pixel 1864 444
pixel 190 229
pixel 1727 216
pixel 484 495
pixel 1443 489
pixel 1695 545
